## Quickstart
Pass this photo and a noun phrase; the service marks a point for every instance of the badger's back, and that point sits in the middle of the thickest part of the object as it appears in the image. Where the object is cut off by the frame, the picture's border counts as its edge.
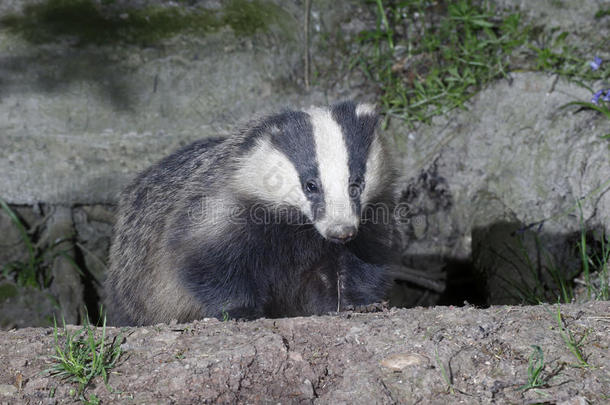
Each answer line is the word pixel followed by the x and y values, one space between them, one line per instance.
pixel 139 289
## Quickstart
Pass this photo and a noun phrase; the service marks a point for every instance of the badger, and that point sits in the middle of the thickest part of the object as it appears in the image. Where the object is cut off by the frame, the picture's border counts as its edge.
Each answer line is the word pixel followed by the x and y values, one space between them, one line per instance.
pixel 290 216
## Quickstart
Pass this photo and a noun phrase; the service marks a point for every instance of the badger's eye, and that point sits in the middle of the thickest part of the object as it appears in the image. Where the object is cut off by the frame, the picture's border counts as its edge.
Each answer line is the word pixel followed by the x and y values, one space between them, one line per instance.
pixel 311 187
pixel 355 188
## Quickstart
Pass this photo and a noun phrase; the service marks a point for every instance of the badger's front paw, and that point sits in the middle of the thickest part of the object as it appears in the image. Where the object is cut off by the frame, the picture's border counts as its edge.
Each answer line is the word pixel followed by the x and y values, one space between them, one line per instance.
pixel 362 283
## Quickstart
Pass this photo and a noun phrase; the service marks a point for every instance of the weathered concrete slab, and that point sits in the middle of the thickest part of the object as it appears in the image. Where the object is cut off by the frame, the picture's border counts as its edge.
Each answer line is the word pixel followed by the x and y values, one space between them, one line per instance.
pixel 77 121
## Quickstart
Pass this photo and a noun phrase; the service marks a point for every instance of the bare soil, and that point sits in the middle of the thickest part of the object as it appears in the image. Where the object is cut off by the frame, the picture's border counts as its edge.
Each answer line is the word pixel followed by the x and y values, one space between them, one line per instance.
pixel 435 355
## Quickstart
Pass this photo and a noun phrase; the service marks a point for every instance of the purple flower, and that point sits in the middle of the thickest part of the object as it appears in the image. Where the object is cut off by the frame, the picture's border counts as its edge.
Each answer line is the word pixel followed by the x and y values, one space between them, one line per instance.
pixel 596 63
pixel 607 96
pixel 596 96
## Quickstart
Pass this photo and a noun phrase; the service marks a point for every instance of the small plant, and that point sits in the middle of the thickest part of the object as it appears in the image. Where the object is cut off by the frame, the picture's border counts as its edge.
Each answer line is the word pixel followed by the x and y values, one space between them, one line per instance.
pixel 600 259
pixel 602 12
pixel 35 270
pixel 600 101
pixel 604 109
pixel 574 344
pixel 534 370
pixel 553 53
pixel 543 280
pixel 80 356
pixel 29 272
pixel 92 400
pixel 594 258
pixel 444 374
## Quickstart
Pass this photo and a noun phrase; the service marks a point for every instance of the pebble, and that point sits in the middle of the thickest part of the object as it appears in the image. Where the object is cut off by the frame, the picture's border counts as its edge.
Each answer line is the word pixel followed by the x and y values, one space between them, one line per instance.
pixel 399 361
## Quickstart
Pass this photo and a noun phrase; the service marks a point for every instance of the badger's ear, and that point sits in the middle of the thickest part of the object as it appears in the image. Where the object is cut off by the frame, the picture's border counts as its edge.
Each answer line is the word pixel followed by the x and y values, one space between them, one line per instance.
pixel 366 109
pixel 367 116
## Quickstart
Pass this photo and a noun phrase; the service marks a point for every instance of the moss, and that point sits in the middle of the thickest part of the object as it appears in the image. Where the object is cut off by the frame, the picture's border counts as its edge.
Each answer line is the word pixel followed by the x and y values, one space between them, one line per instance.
pixel 247 17
pixel 602 12
pixel 7 291
pixel 88 22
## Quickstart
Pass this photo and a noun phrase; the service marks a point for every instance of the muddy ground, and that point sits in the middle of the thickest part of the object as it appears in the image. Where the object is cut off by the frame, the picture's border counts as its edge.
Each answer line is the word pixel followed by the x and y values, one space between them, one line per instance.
pixel 424 355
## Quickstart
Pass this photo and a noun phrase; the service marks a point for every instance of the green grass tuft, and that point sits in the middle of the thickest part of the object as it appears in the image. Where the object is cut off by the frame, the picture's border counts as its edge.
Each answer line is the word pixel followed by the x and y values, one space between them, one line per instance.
pixel 574 344
pixel 35 270
pixel 28 273
pixel 534 370
pixel 444 374
pixel 429 58
pixel 80 356
pixel 542 280
pixel 602 12
pixel 602 108
pixel 594 260
pixel 553 53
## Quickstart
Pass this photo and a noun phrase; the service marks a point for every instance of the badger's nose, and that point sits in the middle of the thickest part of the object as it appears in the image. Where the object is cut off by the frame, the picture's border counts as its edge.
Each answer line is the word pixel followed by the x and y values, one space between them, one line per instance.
pixel 342 234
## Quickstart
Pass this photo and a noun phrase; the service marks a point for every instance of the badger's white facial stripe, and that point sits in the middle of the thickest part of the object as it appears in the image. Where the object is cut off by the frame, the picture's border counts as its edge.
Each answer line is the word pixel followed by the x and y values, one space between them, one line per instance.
pixel 365 109
pixel 374 172
pixel 332 156
pixel 270 176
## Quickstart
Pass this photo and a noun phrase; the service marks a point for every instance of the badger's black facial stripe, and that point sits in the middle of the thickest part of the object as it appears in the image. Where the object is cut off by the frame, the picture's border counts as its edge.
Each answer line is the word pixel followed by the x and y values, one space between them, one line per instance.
pixel 292 134
pixel 358 133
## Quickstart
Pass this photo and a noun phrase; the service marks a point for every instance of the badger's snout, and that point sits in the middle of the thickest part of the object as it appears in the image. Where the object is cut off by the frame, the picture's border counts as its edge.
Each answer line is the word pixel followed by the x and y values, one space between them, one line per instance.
pixel 341 233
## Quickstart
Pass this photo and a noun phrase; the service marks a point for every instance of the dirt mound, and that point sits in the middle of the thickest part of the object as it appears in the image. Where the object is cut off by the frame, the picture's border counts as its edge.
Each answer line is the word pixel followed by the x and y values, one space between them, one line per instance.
pixel 435 355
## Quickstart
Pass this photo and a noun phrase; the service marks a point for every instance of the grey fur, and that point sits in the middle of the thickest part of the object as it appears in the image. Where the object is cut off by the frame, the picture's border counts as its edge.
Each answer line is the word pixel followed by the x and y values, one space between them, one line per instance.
pixel 185 245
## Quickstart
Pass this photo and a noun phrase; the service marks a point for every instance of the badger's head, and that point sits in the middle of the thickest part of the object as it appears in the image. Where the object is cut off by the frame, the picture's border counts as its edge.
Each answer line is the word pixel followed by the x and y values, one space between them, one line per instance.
pixel 329 163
